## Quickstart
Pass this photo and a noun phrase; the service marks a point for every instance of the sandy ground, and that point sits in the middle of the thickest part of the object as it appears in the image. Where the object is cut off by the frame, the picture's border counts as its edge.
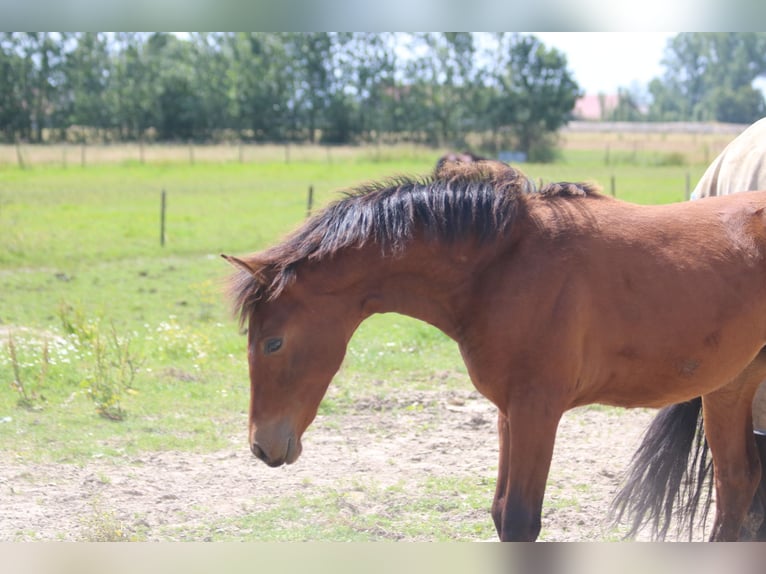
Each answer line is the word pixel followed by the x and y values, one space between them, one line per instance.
pixel 167 495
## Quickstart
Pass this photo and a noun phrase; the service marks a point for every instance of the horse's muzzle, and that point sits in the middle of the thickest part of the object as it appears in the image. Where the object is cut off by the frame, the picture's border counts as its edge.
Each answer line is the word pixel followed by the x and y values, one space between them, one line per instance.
pixel 289 455
pixel 261 455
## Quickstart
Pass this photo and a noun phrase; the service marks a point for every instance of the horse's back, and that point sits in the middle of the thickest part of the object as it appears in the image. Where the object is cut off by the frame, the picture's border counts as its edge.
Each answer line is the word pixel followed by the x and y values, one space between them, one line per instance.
pixel 741 166
pixel 641 289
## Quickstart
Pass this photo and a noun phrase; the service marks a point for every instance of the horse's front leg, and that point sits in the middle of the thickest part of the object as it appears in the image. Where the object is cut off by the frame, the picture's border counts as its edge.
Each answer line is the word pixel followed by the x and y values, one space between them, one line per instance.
pixel 504 437
pixel 527 435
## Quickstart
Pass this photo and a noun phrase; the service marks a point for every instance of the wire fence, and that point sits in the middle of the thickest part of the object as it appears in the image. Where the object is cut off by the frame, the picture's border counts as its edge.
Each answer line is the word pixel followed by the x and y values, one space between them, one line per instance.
pixel 84 155
pixel 621 142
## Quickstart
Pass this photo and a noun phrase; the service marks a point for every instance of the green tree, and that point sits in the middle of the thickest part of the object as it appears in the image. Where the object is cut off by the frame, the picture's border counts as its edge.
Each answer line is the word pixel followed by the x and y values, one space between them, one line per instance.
pixel 135 86
pixel 330 87
pixel 178 104
pixel 14 113
pixel 537 93
pixel 86 87
pixel 35 62
pixel 709 76
pixel 451 75
pixel 260 84
pixel 311 54
pixel 740 106
pixel 436 86
pixel 212 84
pixel 368 77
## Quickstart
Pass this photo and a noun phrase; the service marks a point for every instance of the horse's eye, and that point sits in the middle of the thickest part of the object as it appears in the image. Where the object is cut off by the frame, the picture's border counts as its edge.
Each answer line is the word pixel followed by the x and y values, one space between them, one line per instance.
pixel 272 345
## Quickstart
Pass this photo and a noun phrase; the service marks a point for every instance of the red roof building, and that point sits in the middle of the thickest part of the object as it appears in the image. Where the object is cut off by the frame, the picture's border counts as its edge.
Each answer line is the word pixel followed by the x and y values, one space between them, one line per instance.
pixel 595 107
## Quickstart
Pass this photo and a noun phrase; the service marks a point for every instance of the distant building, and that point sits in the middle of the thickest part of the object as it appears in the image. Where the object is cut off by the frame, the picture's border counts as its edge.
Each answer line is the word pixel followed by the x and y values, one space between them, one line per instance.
pixel 595 107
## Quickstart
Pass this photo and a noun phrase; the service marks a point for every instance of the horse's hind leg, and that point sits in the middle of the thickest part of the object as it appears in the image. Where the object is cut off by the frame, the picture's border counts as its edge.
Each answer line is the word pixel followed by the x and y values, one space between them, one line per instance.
pixel 736 464
pixel 754 527
pixel 727 414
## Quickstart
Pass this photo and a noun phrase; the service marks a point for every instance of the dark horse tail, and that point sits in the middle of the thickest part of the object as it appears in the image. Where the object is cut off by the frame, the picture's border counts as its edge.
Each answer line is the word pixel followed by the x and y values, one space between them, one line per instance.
pixel 669 475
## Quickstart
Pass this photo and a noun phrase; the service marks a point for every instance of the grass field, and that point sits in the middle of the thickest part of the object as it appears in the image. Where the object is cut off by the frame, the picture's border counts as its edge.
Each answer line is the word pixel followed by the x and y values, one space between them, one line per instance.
pixel 113 346
pixel 97 318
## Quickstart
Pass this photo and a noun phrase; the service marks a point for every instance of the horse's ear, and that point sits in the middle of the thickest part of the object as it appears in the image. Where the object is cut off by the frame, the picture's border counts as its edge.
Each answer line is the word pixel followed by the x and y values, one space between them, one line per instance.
pixel 244 266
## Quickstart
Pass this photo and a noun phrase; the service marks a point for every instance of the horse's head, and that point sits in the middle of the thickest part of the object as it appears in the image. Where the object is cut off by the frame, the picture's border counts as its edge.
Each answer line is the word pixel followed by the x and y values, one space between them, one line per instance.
pixel 296 343
pixel 295 347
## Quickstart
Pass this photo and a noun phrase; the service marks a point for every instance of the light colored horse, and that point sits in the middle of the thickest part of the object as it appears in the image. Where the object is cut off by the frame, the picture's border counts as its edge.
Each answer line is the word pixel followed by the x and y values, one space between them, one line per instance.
pixel 741 166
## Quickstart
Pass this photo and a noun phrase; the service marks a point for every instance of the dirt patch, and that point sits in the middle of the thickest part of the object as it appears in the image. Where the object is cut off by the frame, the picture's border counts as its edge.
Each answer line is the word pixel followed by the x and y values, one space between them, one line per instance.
pixel 409 438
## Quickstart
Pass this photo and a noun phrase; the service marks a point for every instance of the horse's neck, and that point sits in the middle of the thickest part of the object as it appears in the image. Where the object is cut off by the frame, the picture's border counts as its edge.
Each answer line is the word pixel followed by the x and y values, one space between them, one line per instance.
pixel 425 281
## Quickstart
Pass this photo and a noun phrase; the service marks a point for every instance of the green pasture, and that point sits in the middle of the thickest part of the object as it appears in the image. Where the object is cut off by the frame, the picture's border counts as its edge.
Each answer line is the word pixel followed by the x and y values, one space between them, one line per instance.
pixel 113 345
pixel 110 342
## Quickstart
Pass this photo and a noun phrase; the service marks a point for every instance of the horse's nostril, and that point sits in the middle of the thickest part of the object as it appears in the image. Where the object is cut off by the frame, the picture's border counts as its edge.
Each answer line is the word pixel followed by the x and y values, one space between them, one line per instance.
pixel 258 452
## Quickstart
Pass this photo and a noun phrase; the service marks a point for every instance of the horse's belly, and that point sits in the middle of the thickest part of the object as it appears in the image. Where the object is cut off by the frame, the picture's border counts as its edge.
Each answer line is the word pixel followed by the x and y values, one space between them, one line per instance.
pixel 657 381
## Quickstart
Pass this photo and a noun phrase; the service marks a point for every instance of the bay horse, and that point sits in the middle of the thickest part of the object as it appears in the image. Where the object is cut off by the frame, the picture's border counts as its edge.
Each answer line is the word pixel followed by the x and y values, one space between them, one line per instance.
pixel 672 459
pixel 557 298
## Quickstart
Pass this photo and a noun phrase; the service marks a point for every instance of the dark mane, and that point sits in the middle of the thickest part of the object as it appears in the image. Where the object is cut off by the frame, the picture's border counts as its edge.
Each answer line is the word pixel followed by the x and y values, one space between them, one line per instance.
pixel 458 200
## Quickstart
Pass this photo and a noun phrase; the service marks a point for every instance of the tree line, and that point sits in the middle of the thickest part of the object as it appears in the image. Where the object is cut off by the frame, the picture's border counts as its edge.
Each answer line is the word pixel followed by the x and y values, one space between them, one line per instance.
pixel 707 77
pixel 432 88
pixel 282 87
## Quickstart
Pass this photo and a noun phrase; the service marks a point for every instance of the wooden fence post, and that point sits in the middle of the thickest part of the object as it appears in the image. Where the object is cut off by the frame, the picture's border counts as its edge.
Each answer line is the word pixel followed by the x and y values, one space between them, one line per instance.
pixel 613 187
pixel 163 209
pixel 20 156
pixel 310 202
